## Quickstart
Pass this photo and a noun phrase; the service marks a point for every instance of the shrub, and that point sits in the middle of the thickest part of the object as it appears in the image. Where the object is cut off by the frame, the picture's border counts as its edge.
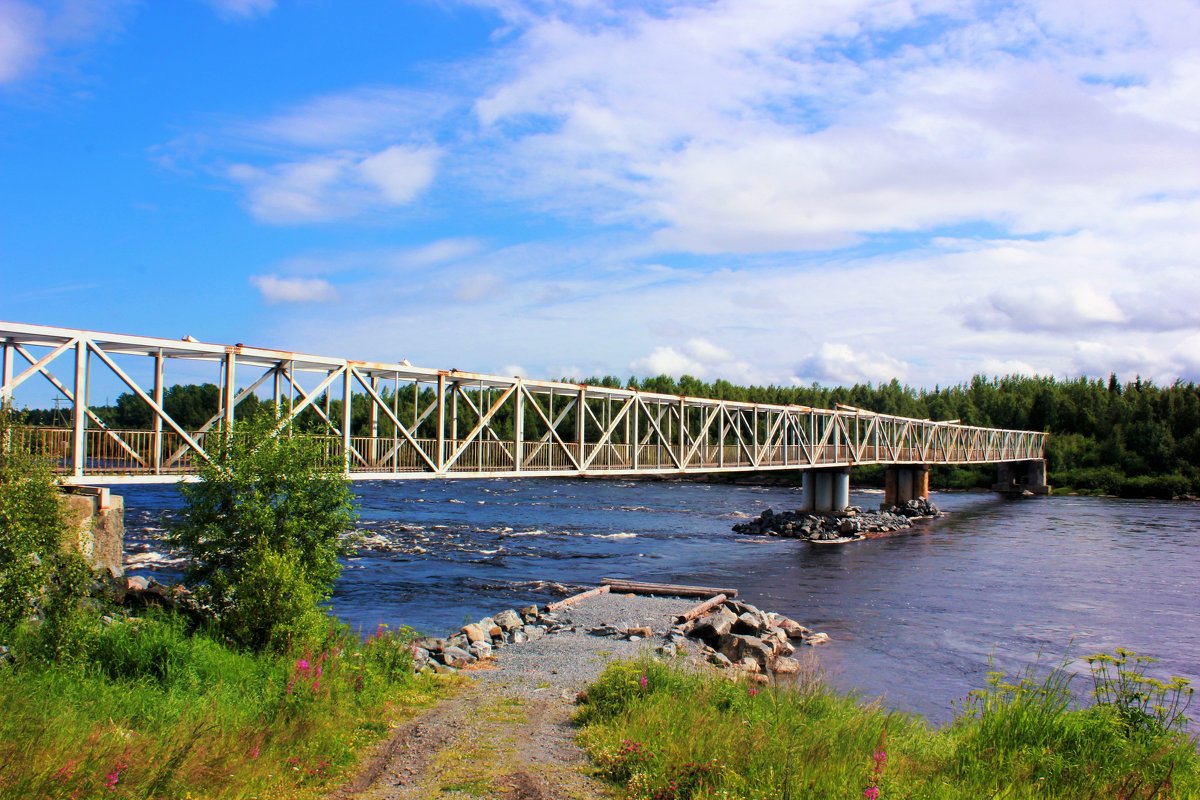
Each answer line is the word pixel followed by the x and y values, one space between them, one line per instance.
pixel 32 537
pixel 262 528
pixel 1164 487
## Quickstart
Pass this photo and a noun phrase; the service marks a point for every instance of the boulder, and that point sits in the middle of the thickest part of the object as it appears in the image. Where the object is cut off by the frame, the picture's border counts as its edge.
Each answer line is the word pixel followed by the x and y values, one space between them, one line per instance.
pixel 719 660
pixel 508 620
pixel 481 649
pixel 816 638
pixel 456 656
pixel 641 633
pixel 714 625
pixel 750 623
pixel 475 633
pixel 793 629
pixel 534 632
pixel 785 666
pixel 748 664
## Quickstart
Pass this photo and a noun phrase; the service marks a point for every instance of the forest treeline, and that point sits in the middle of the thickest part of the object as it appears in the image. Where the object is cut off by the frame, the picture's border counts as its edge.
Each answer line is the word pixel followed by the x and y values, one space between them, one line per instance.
pixel 1134 438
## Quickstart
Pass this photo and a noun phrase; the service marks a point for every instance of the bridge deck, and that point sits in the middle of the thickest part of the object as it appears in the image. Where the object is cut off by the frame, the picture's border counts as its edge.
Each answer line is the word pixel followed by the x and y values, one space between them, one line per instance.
pixel 428 423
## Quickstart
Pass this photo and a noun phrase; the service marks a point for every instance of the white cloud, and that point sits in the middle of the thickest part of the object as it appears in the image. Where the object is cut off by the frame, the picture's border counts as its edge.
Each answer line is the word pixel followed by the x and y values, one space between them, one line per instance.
pixel 242 9
pixel 276 289
pixel 46 37
pixel 840 364
pixel 20 39
pixel 697 357
pixel 337 186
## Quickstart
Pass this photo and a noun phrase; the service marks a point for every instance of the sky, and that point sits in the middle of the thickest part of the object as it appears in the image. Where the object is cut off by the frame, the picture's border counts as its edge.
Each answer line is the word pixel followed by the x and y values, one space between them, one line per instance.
pixel 835 191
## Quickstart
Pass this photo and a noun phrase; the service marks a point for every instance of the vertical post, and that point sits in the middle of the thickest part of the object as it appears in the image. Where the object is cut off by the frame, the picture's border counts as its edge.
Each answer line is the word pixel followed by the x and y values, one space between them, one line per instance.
pixel 635 442
pixel 519 426
pixel 6 370
pixel 374 422
pixel 347 396
pixel 454 416
pixel 230 391
pixel 809 503
pixel 682 432
pixel 158 400
pixel 721 435
pixel 580 411
pixel 441 422
pixel 79 410
pixel 277 389
pixel 754 424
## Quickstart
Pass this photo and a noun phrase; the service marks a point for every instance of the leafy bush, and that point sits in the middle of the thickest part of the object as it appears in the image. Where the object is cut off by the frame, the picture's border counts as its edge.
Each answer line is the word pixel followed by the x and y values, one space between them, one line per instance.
pixel 262 528
pixel 1164 487
pixel 36 571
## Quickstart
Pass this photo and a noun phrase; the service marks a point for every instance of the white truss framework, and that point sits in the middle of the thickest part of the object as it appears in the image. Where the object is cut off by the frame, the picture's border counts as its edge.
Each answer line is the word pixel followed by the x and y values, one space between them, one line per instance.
pixel 453 424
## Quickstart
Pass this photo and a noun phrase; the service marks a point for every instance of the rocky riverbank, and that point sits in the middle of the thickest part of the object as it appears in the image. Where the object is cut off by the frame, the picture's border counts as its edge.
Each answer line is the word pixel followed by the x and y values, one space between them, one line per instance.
pixel 852 524
pixel 722 632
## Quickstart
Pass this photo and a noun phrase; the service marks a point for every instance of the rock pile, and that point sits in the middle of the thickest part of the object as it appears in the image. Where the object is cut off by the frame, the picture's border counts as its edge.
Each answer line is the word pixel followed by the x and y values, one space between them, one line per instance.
pixel 739 636
pixel 479 640
pixel 852 523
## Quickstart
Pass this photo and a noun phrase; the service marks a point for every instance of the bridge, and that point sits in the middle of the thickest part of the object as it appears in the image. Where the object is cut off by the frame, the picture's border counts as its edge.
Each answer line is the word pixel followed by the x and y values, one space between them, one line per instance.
pixel 394 421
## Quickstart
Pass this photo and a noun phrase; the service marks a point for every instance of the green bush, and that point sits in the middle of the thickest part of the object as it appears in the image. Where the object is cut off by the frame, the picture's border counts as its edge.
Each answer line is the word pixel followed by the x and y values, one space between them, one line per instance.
pixel 262 530
pixel 37 574
pixel 1164 487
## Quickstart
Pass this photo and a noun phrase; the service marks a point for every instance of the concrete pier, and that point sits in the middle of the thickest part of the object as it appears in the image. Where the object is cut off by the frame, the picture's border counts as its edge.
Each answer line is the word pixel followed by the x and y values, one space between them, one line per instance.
pixel 901 484
pixel 826 491
pixel 1019 477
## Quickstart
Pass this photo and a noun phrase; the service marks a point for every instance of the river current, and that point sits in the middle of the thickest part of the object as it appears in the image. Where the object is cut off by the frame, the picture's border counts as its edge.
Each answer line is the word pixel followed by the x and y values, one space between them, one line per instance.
pixel 916 619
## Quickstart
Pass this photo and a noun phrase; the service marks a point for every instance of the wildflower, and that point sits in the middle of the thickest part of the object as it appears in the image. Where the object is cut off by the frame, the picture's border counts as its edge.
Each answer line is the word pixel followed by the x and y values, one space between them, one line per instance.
pixel 871 793
pixel 254 753
pixel 643 681
pixel 302 665
pixel 752 692
pixel 880 760
pixel 114 777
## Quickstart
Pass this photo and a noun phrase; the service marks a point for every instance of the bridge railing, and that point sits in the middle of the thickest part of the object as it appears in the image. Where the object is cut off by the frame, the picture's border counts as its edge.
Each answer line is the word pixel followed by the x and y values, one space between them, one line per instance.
pixel 421 421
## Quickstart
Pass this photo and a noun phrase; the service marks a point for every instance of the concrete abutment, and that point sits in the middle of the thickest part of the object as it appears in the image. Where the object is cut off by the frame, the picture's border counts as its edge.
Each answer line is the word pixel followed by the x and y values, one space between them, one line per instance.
pixel 96 517
pixel 826 491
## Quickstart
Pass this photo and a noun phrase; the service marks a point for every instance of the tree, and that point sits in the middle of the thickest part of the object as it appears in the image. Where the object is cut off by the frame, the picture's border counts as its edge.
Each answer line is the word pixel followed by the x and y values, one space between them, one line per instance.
pixel 41 571
pixel 262 528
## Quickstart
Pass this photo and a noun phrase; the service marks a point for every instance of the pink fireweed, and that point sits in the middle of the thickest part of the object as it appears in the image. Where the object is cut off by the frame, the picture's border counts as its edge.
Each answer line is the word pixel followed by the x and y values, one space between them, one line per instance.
pixel 871 793
pixel 643 681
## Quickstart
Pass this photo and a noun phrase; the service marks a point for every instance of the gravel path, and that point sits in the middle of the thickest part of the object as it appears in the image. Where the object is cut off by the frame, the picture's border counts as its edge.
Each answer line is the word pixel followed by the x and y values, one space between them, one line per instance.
pixel 509 735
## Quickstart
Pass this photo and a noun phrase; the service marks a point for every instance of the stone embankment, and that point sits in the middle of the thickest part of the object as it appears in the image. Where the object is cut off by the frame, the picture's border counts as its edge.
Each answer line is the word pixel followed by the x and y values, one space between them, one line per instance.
pixel 852 524
pixel 723 632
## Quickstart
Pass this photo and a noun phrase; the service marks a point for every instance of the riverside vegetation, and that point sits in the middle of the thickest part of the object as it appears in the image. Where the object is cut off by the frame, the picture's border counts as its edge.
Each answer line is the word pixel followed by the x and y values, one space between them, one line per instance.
pixel 1133 438
pixel 257 693
pixel 665 733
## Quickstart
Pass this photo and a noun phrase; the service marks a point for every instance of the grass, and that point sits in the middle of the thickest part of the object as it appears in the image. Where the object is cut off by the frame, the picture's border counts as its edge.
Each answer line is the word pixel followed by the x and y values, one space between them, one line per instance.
pixel 678 734
pixel 152 711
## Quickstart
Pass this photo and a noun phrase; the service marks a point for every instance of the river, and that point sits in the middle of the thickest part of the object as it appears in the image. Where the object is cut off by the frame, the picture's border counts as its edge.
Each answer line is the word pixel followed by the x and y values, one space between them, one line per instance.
pixel 915 619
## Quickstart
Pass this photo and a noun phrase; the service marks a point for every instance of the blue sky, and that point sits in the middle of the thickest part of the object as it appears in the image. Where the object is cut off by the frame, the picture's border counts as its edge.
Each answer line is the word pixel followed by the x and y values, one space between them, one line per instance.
pixel 778 192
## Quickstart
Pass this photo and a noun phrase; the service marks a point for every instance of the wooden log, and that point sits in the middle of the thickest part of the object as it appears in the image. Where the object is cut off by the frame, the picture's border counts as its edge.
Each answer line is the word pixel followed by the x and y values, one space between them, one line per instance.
pixel 639 587
pixel 577 598
pixel 702 609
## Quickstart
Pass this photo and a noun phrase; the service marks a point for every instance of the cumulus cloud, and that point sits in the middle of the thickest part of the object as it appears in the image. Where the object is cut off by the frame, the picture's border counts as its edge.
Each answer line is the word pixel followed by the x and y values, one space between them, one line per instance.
pixel 277 289
pixel 336 186
pixel 697 357
pixel 840 364
pixel 767 126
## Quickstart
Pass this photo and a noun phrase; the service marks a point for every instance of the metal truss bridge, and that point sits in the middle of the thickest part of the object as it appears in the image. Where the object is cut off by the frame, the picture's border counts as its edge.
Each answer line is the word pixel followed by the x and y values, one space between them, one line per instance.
pixel 395 421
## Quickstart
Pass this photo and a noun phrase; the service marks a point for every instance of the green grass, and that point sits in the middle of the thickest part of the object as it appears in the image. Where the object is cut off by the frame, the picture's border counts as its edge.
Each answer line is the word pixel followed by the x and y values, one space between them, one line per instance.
pixel 679 734
pixel 148 710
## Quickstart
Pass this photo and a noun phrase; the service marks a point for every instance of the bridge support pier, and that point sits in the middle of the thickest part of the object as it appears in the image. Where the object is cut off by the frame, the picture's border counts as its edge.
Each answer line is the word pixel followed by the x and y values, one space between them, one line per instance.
pixel 901 484
pixel 1018 477
pixel 826 491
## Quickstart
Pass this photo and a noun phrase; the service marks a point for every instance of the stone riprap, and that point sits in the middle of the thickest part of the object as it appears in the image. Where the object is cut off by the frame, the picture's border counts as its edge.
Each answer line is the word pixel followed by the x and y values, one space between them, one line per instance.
pixel 731 635
pixel 853 523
